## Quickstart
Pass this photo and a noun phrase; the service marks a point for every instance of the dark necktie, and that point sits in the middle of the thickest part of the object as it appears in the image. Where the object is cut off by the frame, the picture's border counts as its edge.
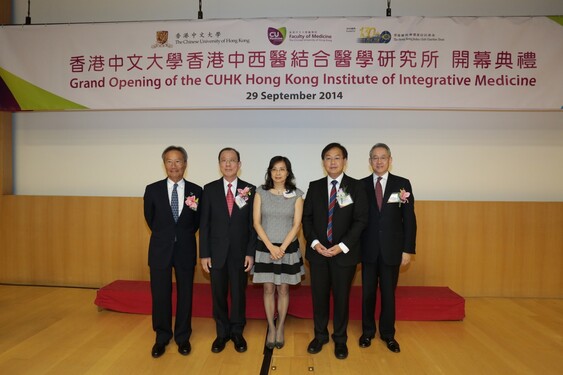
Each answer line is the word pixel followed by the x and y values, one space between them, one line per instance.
pixel 230 199
pixel 174 202
pixel 331 205
pixel 379 193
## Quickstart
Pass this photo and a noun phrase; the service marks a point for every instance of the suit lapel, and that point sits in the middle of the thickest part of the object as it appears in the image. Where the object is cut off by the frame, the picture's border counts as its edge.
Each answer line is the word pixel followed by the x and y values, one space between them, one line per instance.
pixel 240 185
pixel 184 199
pixel 389 189
pixel 163 197
pixel 222 197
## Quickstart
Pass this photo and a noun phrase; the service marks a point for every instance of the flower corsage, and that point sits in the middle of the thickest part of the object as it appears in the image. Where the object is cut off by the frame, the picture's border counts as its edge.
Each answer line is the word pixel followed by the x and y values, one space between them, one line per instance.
pixel 343 197
pixel 242 196
pixel 403 196
pixel 192 202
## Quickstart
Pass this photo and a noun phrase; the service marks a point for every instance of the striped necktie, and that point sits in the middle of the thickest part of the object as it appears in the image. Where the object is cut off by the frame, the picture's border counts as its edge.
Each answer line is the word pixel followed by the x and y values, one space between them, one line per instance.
pixel 331 205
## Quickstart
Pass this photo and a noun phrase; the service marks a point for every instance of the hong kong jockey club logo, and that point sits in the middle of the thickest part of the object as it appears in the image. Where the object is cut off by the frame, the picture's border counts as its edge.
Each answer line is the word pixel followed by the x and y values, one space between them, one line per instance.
pixel 162 40
pixel 276 36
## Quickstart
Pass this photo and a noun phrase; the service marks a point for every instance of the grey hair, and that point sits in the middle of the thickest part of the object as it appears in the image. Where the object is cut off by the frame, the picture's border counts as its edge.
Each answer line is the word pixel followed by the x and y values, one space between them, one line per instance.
pixel 175 148
pixel 380 145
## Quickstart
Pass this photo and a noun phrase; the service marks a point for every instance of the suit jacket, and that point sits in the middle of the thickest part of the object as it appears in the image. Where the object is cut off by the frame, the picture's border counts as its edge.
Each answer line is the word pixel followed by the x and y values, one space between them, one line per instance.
pixel 221 233
pixel 393 230
pixel 347 222
pixel 158 215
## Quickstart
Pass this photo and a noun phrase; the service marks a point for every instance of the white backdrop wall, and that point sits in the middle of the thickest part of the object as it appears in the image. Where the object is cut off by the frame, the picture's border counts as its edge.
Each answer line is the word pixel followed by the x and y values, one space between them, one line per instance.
pixel 448 155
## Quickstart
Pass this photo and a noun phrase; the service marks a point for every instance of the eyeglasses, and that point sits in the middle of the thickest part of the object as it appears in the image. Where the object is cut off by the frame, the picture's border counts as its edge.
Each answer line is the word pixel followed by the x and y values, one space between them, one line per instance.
pixel 228 161
pixel 174 162
pixel 377 158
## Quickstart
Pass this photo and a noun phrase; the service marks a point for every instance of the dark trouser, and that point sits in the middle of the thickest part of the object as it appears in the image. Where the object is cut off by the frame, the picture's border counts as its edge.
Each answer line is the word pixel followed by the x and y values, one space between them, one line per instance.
pixel 327 276
pixel 231 274
pixel 387 276
pixel 161 290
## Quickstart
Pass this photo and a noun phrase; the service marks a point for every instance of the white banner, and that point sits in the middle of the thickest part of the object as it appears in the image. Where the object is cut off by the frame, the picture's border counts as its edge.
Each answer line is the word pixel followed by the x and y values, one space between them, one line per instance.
pixel 398 63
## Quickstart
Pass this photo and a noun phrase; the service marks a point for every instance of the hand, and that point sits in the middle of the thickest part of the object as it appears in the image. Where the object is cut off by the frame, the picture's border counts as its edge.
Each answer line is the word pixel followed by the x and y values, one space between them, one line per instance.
pixel 276 252
pixel 248 263
pixel 335 250
pixel 406 259
pixel 206 264
pixel 319 248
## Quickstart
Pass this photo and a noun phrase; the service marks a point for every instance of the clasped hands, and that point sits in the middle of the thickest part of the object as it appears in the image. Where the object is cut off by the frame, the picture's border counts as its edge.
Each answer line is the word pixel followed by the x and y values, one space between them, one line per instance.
pixel 328 252
pixel 276 252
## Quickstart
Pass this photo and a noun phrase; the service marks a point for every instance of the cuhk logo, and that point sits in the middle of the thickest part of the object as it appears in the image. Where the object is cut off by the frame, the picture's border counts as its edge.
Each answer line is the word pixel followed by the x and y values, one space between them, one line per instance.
pixel 161 37
pixel 276 36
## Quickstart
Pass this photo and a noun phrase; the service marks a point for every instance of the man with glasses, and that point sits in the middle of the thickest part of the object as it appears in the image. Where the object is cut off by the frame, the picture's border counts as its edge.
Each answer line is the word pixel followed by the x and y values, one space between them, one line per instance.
pixel 387 244
pixel 227 242
pixel 334 216
pixel 172 214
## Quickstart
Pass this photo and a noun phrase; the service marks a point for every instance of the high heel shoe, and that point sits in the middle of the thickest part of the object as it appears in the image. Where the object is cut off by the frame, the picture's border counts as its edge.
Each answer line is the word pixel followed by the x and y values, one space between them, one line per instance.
pixel 279 344
pixel 271 345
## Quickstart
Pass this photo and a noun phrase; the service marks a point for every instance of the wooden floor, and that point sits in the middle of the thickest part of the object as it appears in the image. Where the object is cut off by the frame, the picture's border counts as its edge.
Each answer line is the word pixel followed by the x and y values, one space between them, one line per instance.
pixel 60 331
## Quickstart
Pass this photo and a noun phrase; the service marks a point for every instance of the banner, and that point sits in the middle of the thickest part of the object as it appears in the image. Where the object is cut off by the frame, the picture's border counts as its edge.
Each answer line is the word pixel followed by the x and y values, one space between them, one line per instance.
pixel 364 63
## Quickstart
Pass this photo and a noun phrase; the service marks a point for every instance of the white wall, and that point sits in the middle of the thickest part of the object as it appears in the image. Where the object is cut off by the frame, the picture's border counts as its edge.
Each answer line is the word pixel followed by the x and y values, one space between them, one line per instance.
pixel 448 155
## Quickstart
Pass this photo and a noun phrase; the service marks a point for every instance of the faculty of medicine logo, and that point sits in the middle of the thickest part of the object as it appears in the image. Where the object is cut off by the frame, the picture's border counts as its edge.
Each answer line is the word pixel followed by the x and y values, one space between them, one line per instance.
pixel 370 35
pixel 162 40
pixel 276 36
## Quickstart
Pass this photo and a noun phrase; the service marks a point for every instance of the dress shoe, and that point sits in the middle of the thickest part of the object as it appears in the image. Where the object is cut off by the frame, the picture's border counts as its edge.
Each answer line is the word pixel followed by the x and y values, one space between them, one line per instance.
pixel 270 345
pixel 392 345
pixel 365 341
pixel 279 344
pixel 340 351
pixel 240 342
pixel 184 348
pixel 316 345
pixel 158 350
pixel 219 344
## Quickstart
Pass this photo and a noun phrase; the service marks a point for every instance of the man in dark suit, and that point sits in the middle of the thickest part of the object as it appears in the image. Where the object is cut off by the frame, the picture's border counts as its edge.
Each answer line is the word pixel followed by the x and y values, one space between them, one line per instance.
pixel 334 216
pixel 172 214
pixel 387 243
pixel 227 244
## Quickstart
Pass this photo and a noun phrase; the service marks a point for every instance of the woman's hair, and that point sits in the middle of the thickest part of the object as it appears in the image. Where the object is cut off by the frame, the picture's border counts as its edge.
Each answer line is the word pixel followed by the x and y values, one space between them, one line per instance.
pixel 289 181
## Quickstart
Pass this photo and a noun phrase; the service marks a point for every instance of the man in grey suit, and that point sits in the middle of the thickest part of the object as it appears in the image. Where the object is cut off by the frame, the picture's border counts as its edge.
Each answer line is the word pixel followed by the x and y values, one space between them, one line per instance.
pixel 171 208
pixel 334 216
pixel 227 242
pixel 387 243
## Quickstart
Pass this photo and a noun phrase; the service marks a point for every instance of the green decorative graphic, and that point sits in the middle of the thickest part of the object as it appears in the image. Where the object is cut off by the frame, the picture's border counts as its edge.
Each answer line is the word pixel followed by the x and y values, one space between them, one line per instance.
pixel 558 19
pixel 31 97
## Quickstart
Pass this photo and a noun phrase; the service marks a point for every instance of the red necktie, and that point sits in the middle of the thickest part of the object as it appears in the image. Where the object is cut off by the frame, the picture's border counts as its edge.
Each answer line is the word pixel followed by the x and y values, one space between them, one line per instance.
pixel 331 204
pixel 379 193
pixel 230 199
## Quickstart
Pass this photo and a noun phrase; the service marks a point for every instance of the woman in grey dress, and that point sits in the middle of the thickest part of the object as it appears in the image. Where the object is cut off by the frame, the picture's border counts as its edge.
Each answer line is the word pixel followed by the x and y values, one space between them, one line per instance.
pixel 278 209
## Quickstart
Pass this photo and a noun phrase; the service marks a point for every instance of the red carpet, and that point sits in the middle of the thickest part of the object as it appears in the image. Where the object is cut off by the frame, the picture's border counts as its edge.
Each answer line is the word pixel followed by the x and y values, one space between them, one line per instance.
pixel 413 302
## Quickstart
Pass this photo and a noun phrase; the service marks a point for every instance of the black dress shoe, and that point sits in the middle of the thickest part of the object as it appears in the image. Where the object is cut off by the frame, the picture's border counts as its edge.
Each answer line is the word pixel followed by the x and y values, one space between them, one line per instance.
pixel 392 345
pixel 316 345
pixel 240 342
pixel 341 351
pixel 365 341
pixel 219 344
pixel 184 348
pixel 158 350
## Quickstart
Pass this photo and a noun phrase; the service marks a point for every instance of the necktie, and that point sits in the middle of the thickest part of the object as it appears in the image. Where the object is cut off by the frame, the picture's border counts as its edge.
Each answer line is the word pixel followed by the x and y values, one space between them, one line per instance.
pixel 331 205
pixel 379 193
pixel 174 202
pixel 230 199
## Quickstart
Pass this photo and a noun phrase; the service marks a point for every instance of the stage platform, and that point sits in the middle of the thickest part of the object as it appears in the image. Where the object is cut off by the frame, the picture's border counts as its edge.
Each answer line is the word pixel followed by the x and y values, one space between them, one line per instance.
pixel 413 302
